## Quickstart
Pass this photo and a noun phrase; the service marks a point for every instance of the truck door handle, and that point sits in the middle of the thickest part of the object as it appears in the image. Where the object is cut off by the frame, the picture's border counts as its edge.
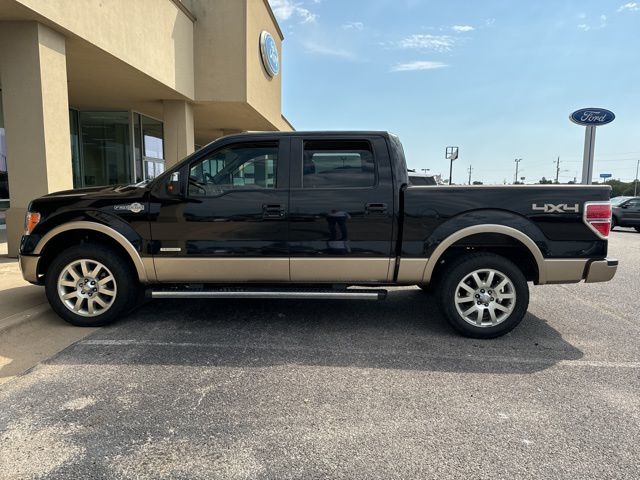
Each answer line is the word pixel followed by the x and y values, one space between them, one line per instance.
pixel 272 211
pixel 378 208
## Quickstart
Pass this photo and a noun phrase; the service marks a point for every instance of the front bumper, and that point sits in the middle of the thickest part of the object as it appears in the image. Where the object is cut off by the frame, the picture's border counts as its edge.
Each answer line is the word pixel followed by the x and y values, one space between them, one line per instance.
pixel 29 267
pixel 601 270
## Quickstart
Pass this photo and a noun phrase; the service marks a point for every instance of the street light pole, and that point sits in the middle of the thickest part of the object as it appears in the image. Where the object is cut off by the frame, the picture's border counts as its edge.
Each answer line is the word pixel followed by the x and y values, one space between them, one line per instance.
pixel 470 170
pixel 515 178
pixel 635 188
pixel 451 153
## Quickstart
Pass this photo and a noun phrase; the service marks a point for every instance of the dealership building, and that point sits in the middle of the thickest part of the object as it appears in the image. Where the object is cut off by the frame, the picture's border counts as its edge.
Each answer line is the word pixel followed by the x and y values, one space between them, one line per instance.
pixel 100 92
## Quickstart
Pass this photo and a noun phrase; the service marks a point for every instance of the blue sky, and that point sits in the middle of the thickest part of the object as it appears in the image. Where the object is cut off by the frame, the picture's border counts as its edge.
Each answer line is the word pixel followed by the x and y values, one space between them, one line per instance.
pixel 498 78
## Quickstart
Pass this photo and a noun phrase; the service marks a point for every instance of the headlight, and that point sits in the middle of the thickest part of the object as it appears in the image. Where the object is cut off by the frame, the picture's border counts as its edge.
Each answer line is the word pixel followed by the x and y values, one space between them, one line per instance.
pixel 31 219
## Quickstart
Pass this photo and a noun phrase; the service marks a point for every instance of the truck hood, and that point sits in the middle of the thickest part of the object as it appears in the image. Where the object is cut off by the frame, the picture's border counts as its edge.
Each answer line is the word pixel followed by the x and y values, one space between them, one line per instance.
pixel 101 191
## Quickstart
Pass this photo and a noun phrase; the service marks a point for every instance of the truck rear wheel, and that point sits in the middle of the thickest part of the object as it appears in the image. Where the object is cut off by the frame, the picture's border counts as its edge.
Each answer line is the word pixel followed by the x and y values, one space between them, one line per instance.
pixel 484 295
pixel 90 285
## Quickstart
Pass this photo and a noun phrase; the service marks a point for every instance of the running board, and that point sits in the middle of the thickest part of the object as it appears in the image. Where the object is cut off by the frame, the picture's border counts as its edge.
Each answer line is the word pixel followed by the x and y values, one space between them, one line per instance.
pixel 353 294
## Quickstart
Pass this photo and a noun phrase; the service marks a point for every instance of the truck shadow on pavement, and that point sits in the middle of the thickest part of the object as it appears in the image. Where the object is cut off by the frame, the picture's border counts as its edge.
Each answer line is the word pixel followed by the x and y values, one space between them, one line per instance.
pixel 406 332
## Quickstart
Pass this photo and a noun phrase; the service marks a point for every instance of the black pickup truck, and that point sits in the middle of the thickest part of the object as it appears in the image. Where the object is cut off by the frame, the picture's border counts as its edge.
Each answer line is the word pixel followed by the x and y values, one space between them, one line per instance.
pixel 312 215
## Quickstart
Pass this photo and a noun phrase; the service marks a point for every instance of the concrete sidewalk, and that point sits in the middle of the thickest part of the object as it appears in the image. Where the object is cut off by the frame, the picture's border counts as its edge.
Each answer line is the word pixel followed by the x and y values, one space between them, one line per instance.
pixel 29 331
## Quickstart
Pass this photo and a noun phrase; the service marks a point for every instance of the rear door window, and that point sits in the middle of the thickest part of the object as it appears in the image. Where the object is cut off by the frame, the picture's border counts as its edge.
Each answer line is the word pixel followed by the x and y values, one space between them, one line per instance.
pixel 338 164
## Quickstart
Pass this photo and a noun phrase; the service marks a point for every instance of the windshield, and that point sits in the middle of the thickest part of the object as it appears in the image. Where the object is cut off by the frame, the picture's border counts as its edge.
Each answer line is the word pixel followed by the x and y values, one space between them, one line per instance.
pixel 618 200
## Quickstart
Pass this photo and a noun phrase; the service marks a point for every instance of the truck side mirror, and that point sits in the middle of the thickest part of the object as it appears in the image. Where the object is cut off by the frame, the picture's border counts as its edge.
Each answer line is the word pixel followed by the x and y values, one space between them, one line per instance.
pixel 173 185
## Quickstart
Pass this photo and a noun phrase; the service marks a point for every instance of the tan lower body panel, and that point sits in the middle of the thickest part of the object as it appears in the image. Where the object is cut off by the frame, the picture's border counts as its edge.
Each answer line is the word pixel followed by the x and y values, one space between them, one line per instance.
pixel 565 270
pixel 337 270
pixel 601 270
pixel 225 270
pixel 411 271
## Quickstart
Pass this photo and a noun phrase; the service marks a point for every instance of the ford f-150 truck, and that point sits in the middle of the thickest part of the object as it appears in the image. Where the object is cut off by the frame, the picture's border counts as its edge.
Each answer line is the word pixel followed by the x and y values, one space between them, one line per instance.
pixel 312 215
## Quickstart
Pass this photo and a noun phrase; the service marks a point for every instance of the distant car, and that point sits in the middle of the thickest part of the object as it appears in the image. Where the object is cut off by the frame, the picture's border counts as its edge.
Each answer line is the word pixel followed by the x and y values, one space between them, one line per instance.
pixel 416 178
pixel 626 212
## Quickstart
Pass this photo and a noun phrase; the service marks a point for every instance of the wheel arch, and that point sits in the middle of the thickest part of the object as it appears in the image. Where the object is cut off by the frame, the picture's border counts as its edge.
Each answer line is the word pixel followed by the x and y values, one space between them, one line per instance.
pixel 76 232
pixel 456 240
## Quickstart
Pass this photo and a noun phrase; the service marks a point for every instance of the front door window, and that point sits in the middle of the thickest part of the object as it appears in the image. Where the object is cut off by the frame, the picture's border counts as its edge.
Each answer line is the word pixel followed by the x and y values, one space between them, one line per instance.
pixel 239 167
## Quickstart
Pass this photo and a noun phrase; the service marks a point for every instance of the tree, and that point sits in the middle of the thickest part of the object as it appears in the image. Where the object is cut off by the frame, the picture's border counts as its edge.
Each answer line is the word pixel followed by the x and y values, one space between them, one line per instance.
pixel 544 181
pixel 476 182
pixel 620 189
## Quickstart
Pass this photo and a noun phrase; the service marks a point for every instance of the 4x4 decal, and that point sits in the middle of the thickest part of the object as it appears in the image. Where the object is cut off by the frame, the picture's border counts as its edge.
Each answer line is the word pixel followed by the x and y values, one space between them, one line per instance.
pixel 551 208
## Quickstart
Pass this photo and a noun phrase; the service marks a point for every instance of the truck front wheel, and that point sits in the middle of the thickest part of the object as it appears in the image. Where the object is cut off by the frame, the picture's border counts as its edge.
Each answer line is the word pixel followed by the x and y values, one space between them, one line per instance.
pixel 484 295
pixel 90 285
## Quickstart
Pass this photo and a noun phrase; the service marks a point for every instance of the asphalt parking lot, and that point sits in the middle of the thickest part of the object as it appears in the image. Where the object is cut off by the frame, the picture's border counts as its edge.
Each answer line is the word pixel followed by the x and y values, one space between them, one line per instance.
pixel 311 389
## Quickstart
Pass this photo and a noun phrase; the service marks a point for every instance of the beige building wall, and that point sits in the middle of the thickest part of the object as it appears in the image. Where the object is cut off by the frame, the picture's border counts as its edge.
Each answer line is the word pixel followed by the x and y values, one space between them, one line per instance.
pixel 263 91
pixel 178 131
pixel 33 76
pixel 153 36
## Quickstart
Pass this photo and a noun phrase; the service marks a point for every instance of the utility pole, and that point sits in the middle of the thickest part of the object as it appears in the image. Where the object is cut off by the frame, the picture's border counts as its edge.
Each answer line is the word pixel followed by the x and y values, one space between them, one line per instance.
pixel 515 178
pixel 635 188
pixel 557 169
pixel 470 170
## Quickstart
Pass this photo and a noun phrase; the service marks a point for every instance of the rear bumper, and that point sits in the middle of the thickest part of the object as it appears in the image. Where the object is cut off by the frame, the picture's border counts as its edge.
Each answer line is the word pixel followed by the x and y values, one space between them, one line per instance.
pixel 601 270
pixel 574 270
pixel 29 267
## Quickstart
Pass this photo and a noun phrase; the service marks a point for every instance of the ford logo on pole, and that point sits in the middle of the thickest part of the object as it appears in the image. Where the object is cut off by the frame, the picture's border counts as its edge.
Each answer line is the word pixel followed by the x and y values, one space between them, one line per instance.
pixel 592 117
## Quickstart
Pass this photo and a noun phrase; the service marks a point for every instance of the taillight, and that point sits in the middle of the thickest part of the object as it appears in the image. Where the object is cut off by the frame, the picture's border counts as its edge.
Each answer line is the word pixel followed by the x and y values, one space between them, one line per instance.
pixel 597 216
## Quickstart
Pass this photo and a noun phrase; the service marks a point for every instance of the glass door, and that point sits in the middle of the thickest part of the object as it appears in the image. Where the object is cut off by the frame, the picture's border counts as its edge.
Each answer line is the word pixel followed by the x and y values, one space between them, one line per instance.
pixel 148 146
pixel 4 177
pixel 106 148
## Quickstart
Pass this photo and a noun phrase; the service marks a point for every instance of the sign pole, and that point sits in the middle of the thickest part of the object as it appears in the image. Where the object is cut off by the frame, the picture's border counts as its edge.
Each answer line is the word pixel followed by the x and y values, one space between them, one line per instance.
pixel 450 170
pixel 587 159
pixel 590 118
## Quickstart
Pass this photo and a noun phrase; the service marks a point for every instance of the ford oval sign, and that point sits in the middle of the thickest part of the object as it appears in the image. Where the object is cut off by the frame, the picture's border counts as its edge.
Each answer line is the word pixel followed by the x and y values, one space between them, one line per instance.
pixel 592 117
pixel 269 53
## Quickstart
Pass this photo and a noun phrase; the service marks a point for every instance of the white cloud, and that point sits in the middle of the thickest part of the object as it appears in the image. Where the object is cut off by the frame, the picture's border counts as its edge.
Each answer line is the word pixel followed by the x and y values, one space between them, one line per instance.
pixel 462 28
pixel 285 10
pixel 630 7
pixel 320 49
pixel 353 26
pixel 585 27
pixel 439 43
pixel 418 65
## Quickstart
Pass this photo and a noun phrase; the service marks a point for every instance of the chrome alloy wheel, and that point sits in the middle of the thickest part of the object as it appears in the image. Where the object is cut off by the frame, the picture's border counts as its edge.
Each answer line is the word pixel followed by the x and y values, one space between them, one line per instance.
pixel 87 287
pixel 485 297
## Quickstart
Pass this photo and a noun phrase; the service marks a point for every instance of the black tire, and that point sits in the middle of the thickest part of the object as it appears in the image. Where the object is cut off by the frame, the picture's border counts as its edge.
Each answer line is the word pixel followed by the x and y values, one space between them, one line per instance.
pixel 637 229
pixel 125 280
pixel 465 266
pixel 614 223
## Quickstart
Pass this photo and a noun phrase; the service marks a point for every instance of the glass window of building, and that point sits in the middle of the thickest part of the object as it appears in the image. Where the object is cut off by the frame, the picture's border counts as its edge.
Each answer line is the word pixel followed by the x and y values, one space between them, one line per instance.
pixel 4 178
pixel 76 164
pixel 148 147
pixel 106 148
